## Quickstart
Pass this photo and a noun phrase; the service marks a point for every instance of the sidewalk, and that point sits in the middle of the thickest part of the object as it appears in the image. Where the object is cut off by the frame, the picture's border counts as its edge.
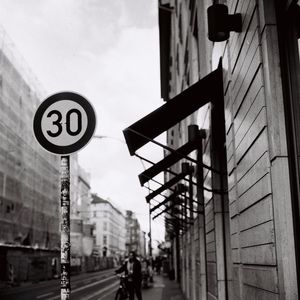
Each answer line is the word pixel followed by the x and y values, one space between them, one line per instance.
pixel 163 289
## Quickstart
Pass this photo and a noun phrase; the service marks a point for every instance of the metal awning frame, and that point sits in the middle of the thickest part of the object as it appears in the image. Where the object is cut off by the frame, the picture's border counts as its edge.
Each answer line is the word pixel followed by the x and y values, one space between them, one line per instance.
pixel 173 151
pixel 195 211
pixel 207 89
pixel 166 185
pixel 170 207
pixel 176 174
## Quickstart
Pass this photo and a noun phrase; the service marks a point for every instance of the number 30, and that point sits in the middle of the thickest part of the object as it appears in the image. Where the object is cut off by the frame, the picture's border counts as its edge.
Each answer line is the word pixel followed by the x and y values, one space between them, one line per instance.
pixel 58 122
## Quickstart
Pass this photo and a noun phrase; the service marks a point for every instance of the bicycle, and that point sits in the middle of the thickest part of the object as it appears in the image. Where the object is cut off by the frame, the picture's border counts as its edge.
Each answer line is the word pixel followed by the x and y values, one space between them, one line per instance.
pixel 122 293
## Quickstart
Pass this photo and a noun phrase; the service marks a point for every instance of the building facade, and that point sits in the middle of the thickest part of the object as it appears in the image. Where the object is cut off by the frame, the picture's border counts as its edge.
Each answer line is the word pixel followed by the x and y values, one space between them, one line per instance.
pixel 80 190
pixel 135 238
pixel 109 224
pixel 248 242
pixel 29 176
pixel 82 230
pixel 231 114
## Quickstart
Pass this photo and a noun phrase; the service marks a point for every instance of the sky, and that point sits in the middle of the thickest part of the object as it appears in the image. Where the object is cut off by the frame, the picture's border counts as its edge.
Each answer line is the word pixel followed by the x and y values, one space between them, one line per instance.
pixel 107 51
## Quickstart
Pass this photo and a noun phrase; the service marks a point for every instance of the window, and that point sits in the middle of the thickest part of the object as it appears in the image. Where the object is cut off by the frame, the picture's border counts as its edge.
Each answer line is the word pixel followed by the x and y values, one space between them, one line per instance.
pixel 104 239
pixel 104 226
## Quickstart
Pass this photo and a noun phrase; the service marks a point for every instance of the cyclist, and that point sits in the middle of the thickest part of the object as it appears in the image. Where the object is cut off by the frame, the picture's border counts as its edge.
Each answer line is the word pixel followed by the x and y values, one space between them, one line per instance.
pixel 132 268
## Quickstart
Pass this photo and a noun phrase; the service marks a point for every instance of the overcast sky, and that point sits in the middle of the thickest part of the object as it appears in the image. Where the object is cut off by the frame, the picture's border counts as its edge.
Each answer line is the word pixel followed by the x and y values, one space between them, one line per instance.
pixel 107 51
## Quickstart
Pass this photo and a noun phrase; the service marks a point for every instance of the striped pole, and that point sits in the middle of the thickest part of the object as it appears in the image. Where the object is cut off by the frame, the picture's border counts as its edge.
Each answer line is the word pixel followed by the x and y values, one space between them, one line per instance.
pixel 65 228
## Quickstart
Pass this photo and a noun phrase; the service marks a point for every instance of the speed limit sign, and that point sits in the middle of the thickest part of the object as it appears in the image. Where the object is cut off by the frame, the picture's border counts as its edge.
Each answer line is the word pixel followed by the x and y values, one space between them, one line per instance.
pixel 64 123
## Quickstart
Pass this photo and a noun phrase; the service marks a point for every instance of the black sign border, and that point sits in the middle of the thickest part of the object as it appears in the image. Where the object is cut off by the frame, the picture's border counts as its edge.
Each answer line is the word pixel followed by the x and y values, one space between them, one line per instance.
pixel 37 121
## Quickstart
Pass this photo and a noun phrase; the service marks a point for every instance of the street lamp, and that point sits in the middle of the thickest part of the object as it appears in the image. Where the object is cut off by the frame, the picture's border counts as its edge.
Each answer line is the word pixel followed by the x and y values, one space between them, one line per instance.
pixel 96 136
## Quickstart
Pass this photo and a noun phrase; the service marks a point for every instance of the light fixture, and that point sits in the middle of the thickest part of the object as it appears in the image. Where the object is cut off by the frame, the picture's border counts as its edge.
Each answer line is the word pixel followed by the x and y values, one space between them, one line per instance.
pixel 220 23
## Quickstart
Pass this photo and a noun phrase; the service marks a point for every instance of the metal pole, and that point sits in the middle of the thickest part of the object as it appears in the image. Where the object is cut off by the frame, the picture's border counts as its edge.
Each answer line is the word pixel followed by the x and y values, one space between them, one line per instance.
pixel 150 233
pixel 65 288
pixel 191 192
pixel 178 275
pixel 202 222
pixel 130 245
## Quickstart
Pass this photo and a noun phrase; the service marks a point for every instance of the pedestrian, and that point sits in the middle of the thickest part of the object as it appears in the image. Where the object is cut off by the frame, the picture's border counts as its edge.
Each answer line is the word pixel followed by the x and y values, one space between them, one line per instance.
pixel 158 264
pixel 132 268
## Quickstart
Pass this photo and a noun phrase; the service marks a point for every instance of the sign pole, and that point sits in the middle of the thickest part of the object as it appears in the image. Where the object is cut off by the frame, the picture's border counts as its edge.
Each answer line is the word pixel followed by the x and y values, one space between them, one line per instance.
pixel 63 124
pixel 65 228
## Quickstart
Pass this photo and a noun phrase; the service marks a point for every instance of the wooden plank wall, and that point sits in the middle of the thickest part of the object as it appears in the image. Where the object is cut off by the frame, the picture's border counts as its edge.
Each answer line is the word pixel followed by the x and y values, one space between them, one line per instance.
pixel 253 110
pixel 248 160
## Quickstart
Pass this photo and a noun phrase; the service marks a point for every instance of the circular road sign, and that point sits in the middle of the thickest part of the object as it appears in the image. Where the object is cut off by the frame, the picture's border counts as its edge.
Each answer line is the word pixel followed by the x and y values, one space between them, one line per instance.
pixel 64 123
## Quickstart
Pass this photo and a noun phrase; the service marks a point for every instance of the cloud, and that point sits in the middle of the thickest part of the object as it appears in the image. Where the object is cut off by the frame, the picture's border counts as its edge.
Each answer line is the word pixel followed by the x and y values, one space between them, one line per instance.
pixel 107 51
pixel 141 14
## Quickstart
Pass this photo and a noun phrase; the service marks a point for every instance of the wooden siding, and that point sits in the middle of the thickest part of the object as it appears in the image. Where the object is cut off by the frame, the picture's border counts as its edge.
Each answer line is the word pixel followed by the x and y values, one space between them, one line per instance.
pixel 253 242
pixel 255 138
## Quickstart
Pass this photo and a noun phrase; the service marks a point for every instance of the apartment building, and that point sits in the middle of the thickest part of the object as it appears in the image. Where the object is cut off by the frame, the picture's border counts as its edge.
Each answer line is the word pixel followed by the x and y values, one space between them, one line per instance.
pixel 29 176
pixel 135 237
pixel 82 230
pixel 109 224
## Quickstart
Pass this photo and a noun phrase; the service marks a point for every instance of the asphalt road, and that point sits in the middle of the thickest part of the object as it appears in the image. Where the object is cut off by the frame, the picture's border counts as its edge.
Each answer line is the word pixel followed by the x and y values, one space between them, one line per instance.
pixel 88 286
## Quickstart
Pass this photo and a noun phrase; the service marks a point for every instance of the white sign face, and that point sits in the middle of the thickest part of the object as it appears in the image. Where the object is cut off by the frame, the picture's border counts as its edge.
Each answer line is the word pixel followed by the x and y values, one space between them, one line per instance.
pixel 64 123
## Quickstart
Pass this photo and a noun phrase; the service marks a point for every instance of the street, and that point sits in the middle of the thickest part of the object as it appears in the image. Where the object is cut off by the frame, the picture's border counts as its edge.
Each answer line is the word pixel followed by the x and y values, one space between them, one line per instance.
pixel 101 285
pixel 87 286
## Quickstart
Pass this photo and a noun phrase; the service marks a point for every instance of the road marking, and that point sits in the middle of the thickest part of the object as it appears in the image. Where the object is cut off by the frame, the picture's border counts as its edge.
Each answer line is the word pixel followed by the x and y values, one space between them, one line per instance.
pixel 102 291
pixel 103 297
pixel 100 275
pixel 85 287
pixel 89 281
pixel 44 295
